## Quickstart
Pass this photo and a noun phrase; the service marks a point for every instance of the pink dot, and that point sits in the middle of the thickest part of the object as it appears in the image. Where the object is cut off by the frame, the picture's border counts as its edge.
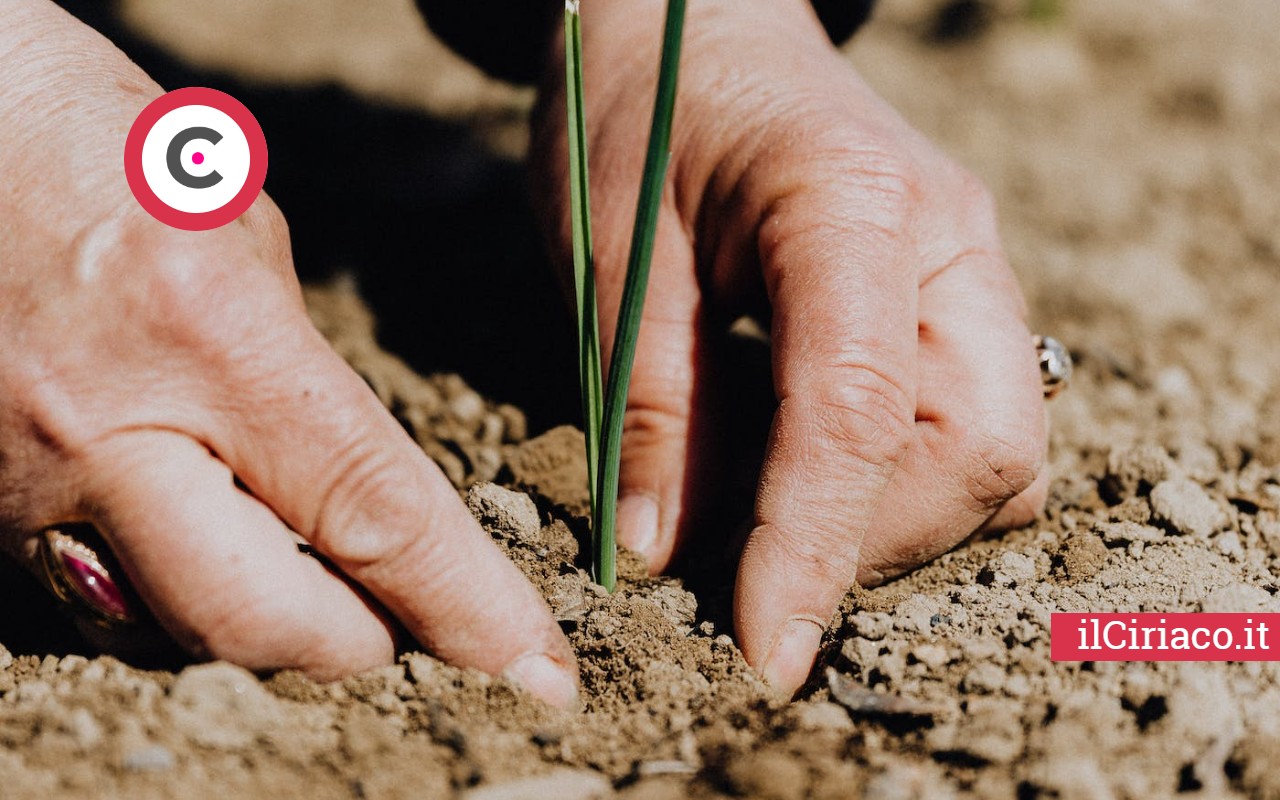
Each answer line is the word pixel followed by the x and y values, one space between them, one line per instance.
pixel 197 158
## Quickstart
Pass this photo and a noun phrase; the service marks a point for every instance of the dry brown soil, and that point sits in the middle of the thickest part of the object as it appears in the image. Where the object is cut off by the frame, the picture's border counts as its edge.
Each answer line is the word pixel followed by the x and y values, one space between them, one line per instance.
pixel 1131 146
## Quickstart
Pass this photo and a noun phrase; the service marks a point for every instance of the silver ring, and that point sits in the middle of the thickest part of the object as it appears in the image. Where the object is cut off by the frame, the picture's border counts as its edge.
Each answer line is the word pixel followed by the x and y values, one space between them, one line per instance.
pixel 1055 364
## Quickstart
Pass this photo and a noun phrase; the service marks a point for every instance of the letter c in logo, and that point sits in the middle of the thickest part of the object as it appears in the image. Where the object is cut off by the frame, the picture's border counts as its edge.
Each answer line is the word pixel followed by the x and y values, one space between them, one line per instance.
pixel 195 187
pixel 173 157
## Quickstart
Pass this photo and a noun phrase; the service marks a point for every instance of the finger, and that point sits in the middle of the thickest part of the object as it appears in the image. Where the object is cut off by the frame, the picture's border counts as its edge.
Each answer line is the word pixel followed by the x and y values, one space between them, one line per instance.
pixel 219 571
pixel 1022 510
pixel 330 460
pixel 843 295
pixel 980 433
pixel 655 498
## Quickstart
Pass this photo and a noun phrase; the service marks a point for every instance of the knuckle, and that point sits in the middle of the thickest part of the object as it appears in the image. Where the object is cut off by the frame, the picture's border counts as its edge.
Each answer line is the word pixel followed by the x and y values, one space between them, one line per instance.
pixel 883 182
pixel 866 415
pixel 647 424
pixel 819 557
pixel 979 205
pixel 241 625
pixel 367 477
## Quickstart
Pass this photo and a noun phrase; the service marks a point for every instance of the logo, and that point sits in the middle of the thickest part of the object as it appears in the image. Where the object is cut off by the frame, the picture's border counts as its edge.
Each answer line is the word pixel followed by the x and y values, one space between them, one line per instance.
pixel 195 159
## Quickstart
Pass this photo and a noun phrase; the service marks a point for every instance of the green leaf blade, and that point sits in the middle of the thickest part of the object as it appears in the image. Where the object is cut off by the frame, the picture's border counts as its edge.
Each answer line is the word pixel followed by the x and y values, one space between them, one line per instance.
pixel 589 365
pixel 627 333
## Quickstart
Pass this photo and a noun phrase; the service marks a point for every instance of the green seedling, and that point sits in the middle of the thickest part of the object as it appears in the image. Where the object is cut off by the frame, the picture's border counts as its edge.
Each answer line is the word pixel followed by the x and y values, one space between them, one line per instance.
pixel 602 414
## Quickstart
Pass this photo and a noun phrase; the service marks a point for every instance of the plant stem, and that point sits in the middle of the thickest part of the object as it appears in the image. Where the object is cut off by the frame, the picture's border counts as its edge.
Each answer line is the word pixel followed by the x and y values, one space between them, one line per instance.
pixel 583 256
pixel 628 328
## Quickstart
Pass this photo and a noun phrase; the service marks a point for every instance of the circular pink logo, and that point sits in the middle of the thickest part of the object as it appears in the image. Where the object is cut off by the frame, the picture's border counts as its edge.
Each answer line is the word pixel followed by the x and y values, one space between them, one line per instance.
pixel 195 159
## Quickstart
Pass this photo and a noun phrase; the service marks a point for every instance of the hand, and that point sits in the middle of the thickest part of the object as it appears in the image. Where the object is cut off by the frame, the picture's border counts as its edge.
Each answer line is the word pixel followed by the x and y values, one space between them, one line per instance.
pixel 146 370
pixel 910 410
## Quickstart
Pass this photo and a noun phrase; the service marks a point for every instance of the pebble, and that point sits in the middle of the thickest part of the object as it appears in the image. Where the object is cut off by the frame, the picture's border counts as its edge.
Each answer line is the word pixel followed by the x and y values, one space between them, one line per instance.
pixel 908 782
pixel 149 758
pixel 871 624
pixel 1008 570
pixel 466 405
pixel 1229 545
pixel 83 728
pixel 932 656
pixel 6 658
pixel 1237 598
pixel 221 706
pixel 1187 507
pixel 515 428
pixel 1135 470
pixel 821 716
pixel 506 511
pixel 914 613
pixel 769 775
pixel 562 784
pixel 1123 533
pixel 983 679
pixel 1019 568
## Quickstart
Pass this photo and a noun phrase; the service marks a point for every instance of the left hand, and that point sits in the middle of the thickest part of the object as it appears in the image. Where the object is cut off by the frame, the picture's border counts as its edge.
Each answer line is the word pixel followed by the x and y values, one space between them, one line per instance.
pixel 910 409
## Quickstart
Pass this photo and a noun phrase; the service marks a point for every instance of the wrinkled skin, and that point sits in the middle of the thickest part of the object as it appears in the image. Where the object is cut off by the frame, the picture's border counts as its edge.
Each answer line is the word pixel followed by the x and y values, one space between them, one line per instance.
pixel 910 410
pixel 142 368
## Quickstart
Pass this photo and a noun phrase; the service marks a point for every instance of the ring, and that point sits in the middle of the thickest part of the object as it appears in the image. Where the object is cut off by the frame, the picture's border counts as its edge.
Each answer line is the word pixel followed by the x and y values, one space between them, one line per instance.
pixel 80 578
pixel 1055 364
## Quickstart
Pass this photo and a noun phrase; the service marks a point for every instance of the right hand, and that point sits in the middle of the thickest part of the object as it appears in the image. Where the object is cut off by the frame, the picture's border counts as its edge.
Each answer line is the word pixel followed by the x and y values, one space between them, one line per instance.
pixel 145 370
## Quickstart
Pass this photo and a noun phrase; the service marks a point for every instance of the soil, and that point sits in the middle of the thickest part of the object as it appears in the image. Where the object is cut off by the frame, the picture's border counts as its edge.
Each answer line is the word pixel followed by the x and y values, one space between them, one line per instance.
pixel 1131 148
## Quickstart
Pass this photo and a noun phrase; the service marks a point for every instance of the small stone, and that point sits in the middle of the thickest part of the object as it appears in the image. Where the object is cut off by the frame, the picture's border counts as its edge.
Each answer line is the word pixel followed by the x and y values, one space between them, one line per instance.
pixel 1238 598
pixel 821 716
pixel 1120 534
pixel 983 679
pixel 563 784
pixel 515 428
pixel 222 706
pixel 1020 568
pixel 871 624
pixel 32 692
pixel 69 664
pixel 149 758
pixel 83 728
pixel 422 668
pixel 1135 470
pixel 467 406
pixel 932 656
pixel 1018 685
pixel 769 775
pixel 6 658
pixel 1229 545
pixel 1083 556
pixel 1186 507
pixel 914 613
pixel 491 430
pixel 505 511
pixel 908 782
pixel 1008 570
pixel 667 766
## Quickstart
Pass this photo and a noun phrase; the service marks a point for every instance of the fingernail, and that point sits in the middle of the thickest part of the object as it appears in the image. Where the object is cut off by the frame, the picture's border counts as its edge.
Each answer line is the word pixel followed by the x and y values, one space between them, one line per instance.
pixel 540 675
pixel 794 650
pixel 638 522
